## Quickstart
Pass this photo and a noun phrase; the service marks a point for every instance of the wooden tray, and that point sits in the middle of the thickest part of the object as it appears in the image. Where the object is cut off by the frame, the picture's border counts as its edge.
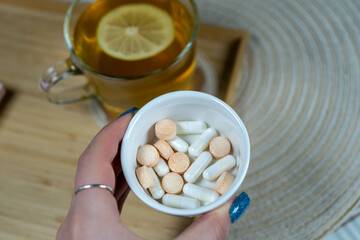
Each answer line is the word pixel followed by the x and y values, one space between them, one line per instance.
pixel 224 48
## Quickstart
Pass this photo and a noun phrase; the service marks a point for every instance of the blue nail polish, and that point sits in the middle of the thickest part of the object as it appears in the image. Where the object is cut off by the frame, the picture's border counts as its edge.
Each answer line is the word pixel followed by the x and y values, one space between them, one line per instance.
pixel 131 110
pixel 239 206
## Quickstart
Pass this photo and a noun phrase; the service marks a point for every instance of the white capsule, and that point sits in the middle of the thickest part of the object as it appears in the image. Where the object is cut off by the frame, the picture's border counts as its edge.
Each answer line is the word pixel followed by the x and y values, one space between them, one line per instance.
pixel 202 142
pixel 156 190
pixel 205 183
pixel 190 127
pixel 178 201
pixel 219 167
pixel 178 144
pixel 190 138
pixel 201 193
pixel 161 168
pixel 197 167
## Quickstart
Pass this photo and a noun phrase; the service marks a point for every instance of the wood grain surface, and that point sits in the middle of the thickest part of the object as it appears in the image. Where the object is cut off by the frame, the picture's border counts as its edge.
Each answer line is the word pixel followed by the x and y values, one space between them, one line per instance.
pixel 40 142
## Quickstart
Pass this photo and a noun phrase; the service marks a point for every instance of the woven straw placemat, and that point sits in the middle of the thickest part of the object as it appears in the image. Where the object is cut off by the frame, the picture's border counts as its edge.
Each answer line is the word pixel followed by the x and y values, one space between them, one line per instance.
pixel 300 101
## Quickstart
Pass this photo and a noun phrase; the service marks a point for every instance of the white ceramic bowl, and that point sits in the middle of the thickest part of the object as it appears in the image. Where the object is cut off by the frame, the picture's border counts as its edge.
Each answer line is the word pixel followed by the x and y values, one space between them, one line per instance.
pixel 185 105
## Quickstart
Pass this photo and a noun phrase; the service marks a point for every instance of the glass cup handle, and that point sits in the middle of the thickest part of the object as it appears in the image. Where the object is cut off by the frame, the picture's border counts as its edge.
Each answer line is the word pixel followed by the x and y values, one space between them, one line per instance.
pixel 64 94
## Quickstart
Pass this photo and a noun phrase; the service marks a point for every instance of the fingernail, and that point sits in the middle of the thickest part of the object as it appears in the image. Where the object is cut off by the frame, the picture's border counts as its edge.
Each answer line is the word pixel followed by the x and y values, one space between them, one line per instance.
pixel 239 206
pixel 131 110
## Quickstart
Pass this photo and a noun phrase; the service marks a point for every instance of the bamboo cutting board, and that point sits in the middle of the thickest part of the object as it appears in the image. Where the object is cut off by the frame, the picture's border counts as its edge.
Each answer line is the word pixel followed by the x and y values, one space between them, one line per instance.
pixel 40 142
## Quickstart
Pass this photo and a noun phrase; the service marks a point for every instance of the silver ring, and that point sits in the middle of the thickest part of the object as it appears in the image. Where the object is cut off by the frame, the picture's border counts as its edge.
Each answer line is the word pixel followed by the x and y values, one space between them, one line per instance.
pixel 88 186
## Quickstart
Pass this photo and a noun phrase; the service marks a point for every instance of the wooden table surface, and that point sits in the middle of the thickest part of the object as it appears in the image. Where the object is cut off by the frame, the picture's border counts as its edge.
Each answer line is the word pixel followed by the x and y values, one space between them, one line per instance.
pixel 40 142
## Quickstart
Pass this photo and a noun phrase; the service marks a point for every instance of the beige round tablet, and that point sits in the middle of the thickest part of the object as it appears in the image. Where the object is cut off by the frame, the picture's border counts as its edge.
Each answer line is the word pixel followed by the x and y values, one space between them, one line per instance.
pixel 224 182
pixel 179 162
pixel 219 147
pixel 172 183
pixel 164 149
pixel 147 155
pixel 145 177
pixel 165 129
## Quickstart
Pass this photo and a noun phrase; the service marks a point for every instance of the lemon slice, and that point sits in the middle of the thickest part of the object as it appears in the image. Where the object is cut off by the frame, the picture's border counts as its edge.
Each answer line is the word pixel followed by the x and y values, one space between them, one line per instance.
pixel 135 31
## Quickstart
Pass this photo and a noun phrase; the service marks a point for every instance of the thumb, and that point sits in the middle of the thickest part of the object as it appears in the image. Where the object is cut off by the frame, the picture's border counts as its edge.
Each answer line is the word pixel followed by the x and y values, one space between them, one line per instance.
pixel 216 224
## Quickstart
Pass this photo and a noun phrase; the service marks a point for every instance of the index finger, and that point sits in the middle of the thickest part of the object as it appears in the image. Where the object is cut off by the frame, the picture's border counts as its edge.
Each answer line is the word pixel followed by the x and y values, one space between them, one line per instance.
pixel 95 164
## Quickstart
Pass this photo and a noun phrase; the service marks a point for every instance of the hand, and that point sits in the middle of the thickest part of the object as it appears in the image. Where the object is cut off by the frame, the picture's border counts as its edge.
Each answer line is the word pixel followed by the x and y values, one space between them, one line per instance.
pixel 94 213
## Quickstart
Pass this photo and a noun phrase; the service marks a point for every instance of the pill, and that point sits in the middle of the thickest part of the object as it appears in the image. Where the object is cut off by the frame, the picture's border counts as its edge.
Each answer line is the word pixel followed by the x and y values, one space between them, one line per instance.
pixel 219 167
pixel 205 183
pixel 156 190
pixel 202 142
pixel 178 201
pixel 165 129
pixel 190 138
pixel 145 177
pixel 179 162
pixel 200 193
pixel 178 144
pixel 164 149
pixel 197 167
pixel 219 147
pixel 148 155
pixel 161 168
pixel 190 127
pixel 224 182
pixel 172 183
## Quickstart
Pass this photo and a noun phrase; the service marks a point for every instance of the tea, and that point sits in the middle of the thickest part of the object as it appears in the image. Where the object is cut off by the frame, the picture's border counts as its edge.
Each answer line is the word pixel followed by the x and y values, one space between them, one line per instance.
pixel 120 80
pixel 124 88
